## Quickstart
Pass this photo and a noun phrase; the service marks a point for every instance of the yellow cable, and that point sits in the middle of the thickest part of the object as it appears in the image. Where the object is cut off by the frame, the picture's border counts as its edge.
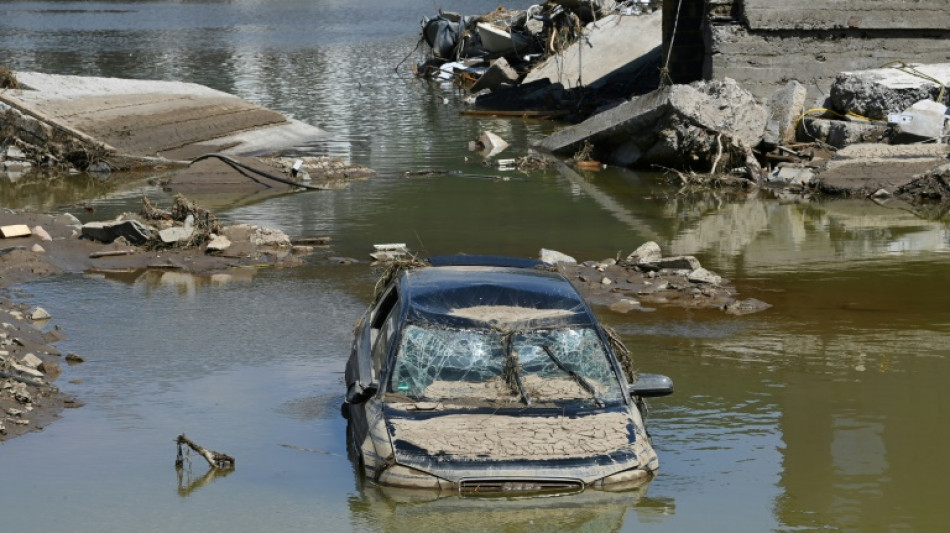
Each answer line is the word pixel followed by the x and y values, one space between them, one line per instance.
pixel 904 67
pixel 831 111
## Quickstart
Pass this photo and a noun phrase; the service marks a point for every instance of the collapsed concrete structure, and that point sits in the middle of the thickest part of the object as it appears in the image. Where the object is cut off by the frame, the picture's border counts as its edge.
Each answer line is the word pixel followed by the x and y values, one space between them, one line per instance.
pixel 763 43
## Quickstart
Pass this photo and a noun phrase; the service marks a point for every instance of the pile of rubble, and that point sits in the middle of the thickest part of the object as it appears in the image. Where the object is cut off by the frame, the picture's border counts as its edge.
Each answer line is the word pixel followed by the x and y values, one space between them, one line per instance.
pixel 875 139
pixel 187 226
pixel 29 365
pixel 541 52
pixel 646 277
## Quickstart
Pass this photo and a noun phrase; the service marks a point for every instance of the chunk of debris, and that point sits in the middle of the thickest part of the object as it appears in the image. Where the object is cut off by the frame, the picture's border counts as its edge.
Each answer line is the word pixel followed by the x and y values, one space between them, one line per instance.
pixel 862 169
pixel 132 230
pixel 791 174
pixel 648 252
pixel 701 275
pixel 39 314
pixel 785 107
pixel 15 230
pixel 489 144
pixel 924 121
pixel 842 133
pixel 179 234
pixel 41 233
pixel 744 307
pixel 876 93
pixel 499 72
pixel 30 360
pixel 693 126
pixel 386 253
pixel 553 257
pixel 218 243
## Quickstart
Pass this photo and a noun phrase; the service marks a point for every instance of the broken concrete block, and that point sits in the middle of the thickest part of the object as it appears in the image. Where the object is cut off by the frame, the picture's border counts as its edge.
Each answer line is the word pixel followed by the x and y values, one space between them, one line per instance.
pixel 677 126
pixel 679 262
pixel 553 257
pixel 925 120
pixel 841 133
pixel 490 144
pixel 701 275
pixel 14 152
pixel 613 42
pixel 26 371
pixel 785 107
pixel 218 243
pixel 41 233
pixel 877 93
pixel 624 305
pixel 31 361
pixel 786 174
pixel 498 73
pixel 177 234
pixel 861 169
pixel 647 252
pixel 40 314
pixel 15 230
pixel 134 231
pixel 389 252
pixel 74 359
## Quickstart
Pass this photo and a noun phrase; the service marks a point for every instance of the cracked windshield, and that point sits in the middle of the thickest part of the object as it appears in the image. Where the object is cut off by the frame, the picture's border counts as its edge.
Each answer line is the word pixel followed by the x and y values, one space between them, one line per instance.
pixel 386 266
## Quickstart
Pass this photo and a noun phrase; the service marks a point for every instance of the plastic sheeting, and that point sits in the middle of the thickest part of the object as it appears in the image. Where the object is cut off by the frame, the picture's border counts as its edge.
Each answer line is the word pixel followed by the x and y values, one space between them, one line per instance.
pixel 442 363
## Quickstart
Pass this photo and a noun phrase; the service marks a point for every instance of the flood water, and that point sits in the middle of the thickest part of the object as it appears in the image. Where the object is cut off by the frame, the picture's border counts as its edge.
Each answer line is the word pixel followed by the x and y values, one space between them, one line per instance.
pixel 823 413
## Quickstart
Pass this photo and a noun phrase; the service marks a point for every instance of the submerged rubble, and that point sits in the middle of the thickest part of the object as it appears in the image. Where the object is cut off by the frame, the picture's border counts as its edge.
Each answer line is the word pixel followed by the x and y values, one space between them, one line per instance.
pixel 707 133
pixel 641 281
pixel 646 278
pixel 561 55
pixel 29 366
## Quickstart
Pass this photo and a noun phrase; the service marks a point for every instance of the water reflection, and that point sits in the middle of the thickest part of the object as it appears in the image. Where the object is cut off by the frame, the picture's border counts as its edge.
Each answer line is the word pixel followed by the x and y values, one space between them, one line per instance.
pixel 189 483
pixel 183 283
pixel 392 511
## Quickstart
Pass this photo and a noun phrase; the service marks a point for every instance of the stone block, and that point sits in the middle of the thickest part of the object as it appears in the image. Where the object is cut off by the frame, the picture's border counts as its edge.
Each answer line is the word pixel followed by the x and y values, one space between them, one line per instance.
pixel 134 231
pixel 785 107
pixel 876 93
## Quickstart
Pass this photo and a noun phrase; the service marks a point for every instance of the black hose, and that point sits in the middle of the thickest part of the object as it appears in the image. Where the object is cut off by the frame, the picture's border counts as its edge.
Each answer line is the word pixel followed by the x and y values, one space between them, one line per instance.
pixel 237 164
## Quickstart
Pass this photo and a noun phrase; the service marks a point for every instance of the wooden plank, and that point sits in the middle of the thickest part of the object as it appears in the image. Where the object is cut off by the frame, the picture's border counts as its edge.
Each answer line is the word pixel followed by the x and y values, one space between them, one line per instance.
pixel 15 230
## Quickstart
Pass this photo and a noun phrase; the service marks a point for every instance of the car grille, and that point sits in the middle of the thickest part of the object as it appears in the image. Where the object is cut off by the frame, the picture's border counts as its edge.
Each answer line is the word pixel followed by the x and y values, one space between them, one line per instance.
pixel 518 486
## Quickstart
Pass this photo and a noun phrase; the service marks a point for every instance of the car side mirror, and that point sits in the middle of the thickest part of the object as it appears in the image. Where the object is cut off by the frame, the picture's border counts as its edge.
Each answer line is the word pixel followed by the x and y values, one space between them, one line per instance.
pixel 652 386
pixel 356 394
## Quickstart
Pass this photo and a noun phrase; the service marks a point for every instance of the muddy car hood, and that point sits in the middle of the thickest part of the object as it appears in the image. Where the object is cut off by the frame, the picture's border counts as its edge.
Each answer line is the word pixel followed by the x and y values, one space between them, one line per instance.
pixel 457 444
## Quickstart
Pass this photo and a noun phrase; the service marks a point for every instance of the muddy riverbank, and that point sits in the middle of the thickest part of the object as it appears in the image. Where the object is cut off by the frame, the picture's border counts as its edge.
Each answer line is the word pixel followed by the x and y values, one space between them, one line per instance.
pixel 30 363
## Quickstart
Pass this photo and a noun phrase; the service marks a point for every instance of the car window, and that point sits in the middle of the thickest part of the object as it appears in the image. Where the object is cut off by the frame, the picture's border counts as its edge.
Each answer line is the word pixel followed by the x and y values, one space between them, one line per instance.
pixel 553 365
pixel 382 327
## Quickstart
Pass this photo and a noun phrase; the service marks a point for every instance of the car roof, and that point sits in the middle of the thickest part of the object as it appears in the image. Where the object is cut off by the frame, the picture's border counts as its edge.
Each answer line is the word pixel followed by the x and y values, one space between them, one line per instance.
pixel 502 296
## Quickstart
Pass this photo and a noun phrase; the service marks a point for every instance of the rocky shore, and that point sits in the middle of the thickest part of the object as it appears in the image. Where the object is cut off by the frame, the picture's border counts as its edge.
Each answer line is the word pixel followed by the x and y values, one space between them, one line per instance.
pixel 36 245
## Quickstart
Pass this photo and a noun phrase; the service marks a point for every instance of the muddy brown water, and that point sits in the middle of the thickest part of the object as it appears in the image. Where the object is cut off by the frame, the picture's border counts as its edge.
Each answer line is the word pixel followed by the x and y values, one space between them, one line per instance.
pixel 823 413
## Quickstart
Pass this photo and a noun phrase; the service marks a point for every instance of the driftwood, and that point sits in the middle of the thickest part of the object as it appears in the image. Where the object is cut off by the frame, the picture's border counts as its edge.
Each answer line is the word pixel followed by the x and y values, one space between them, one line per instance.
pixel 215 459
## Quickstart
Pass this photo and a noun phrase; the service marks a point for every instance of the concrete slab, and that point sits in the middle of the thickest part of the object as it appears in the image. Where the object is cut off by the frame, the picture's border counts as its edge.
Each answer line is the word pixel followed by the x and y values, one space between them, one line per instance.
pixel 875 93
pixel 611 43
pixel 858 14
pixel 863 169
pixel 647 124
pixel 144 118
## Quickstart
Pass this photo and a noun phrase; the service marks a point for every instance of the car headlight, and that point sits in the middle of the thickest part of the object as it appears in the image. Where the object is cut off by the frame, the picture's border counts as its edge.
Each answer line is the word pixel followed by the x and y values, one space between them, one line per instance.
pixel 402 476
pixel 627 479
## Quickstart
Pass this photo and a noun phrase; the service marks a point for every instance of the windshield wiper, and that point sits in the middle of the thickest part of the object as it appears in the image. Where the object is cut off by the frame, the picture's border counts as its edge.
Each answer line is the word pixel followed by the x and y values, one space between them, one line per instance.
pixel 577 377
pixel 513 369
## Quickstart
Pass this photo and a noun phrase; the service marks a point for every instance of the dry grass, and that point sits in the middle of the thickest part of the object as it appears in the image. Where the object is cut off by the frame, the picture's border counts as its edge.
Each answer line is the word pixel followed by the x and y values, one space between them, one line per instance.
pixel 8 79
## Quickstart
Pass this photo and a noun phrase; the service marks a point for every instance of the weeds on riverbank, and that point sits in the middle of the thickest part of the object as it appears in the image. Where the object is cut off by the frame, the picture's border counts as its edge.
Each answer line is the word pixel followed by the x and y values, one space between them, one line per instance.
pixel 8 78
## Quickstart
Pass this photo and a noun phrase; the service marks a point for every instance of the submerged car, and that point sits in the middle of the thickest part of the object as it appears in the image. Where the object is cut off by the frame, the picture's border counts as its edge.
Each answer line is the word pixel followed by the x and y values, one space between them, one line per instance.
pixel 492 376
